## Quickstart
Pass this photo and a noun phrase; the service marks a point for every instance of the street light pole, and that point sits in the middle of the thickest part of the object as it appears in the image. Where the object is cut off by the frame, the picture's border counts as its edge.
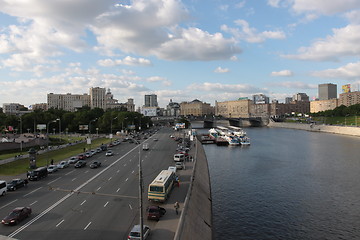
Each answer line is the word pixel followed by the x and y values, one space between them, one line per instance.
pixel 47 146
pixel 111 127
pixel 140 198
pixel 90 130
pixel 58 119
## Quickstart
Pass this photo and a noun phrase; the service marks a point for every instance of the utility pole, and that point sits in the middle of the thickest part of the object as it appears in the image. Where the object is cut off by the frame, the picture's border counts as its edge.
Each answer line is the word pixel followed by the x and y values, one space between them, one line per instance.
pixel 140 198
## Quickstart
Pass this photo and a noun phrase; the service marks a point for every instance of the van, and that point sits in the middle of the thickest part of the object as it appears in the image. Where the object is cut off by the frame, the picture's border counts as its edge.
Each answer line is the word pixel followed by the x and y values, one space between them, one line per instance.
pixel 37 174
pixel 3 188
pixel 179 157
pixel 145 147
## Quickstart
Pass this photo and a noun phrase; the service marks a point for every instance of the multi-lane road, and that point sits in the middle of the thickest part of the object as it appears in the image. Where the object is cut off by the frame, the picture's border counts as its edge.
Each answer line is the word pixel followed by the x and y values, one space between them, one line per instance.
pixel 104 204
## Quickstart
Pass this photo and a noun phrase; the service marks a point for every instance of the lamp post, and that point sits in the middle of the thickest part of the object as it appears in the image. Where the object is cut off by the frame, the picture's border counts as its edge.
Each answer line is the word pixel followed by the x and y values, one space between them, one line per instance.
pixel 140 198
pixel 111 128
pixel 58 119
pixel 122 123
pixel 90 130
pixel 47 135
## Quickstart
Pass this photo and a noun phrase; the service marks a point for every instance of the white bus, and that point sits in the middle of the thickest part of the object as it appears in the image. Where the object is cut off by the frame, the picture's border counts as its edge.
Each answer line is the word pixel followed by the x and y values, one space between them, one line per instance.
pixel 3 188
pixel 160 188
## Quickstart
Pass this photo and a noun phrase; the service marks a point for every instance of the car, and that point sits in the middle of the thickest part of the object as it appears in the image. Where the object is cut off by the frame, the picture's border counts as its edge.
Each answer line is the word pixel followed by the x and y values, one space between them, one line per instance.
pixel 172 168
pixel 81 157
pixel 155 139
pixel 63 164
pixel 16 183
pixel 135 232
pixel 80 164
pixel 93 152
pixel 155 212
pixel 16 215
pixel 98 150
pixel 73 160
pixel 109 153
pixel 145 147
pixel 180 165
pixel 88 155
pixel 52 168
pixel 95 164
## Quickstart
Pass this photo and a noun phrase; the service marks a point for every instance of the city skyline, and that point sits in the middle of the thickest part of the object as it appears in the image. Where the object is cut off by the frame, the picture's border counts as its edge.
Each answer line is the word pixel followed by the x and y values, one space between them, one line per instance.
pixel 179 50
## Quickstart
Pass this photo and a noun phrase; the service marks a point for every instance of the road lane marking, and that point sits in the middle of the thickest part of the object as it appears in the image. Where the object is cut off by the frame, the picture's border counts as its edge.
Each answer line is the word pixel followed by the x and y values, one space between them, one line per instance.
pixel 32 192
pixel 106 204
pixel 98 189
pixel 86 171
pixel 20 229
pixel 87 226
pixel 133 171
pixel 82 202
pixel 126 179
pixel 118 190
pixel 117 171
pixel 69 172
pixel 8 204
pixel 109 178
pixel 60 223
pixel 125 165
pixel 53 181
pixel 130 206
pixel 33 203
pixel 73 179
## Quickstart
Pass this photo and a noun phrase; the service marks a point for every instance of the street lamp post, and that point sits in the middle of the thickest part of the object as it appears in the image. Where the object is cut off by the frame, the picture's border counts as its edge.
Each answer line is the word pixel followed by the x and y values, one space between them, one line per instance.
pixel 47 135
pixel 140 198
pixel 58 119
pixel 111 128
pixel 90 130
pixel 122 124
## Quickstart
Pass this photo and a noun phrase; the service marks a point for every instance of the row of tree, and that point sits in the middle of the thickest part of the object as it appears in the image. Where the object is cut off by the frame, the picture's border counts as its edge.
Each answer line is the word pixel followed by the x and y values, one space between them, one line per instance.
pixel 96 119
pixel 341 111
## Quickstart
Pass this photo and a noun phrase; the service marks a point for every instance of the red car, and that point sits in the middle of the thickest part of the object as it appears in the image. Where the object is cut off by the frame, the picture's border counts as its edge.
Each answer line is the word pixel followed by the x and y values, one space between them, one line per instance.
pixel 81 157
pixel 17 215
pixel 155 212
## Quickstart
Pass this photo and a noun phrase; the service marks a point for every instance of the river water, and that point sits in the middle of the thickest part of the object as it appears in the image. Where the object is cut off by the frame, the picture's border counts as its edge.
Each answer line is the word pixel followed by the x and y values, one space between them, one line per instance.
pixel 289 184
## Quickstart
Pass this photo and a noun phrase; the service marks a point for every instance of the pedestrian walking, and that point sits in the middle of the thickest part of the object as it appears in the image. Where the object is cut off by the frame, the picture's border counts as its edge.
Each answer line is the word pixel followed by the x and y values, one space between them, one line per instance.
pixel 52 161
pixel 176 206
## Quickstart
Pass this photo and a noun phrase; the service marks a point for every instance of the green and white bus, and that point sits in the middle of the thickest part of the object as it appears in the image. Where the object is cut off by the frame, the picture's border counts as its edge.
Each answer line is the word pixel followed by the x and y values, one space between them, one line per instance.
pixel 161 187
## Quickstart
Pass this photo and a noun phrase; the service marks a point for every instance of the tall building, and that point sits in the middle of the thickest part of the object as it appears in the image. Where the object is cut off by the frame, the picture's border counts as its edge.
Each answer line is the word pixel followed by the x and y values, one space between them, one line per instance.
pixel 349 98
pixel 327 91
pixel 68 102
pixel 151 100
pixel 323 105
pixel 195 108
pixel 234 109
pixel 97 98
pixel 300 97
pixel 260 99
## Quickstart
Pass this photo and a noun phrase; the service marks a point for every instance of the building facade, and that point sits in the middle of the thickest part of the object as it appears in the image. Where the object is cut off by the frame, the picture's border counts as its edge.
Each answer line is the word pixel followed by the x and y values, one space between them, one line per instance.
pixel 68 102
pixel 349 98
pixel 260 99
pixel 196 108
pixel 234 109
pixel 97 98
pixel 151 100
pixel 323 105
pixel 172 109
pixel 327 91
pixel 287 109
pixel 12 108
pixel 300 97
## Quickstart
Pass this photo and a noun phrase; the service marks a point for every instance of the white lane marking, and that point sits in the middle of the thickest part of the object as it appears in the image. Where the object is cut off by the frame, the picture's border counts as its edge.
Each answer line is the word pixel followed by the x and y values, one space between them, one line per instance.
pixel 106 204
pixel 109 178
pixel 125 165
pixel 86 171
pixel 87 226
pixel 60 223
pixel 73 179
pixel 117 171
pixel 66 196
pixel 33 203
pixel 118 190
pixel 53 181
pixel 69 172
pixel 98 189
pixel 8 204
pixel 82 202
pixel 130 206
pixel 126 179
pixel 32 192
pixel 133 171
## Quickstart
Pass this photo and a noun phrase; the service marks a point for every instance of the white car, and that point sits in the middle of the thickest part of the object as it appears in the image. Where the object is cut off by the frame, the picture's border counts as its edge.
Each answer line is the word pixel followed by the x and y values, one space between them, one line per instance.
pixel 52 168
pixel 135 232
pixel 180 165
pixel 73 160
pixel 172 168
pixel 63 164
pixel 109 153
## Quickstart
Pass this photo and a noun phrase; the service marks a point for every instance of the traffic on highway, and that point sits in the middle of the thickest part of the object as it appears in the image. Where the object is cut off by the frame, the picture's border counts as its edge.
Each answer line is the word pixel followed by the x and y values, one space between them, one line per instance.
pixel 98 200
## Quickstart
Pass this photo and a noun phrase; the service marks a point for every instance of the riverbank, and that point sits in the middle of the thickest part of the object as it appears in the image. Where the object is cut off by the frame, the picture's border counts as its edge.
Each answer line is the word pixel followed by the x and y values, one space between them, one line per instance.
pixel 344 130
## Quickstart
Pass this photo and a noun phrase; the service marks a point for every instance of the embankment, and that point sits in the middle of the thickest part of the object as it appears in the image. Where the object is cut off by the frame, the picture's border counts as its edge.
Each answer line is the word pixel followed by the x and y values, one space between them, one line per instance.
pixel 196 218
pixel 345 130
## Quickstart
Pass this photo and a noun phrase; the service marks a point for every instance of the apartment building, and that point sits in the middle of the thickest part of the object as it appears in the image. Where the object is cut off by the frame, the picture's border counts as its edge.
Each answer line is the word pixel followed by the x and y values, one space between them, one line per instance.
pixel 323 105
pixel 234 109
pixel 196 108
pixel 349 98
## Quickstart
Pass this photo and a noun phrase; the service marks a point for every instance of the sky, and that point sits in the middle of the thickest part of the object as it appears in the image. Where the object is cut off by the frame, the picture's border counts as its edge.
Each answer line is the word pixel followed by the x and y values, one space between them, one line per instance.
pixel 213 50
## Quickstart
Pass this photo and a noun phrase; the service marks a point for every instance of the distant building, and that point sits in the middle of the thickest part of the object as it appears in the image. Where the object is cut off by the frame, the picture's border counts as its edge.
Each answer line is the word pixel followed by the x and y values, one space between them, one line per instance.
pixel 234 109
pixel 97 98
pixel 151 100
pixel 68 102
pixel 260 110
pixel 150 111
pixel 260 99
pixel 39 106
pixel 300 97
pixel 286 109
pixel 112 103
pixel 172 109
pixel 327 91
pixel 349 98
pixel 12 108
pixel 323 105
pixel 288 100
pixel 195 108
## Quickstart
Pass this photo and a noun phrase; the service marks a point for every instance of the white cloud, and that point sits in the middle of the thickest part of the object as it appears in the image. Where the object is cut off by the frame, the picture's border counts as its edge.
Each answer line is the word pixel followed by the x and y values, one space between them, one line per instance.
pixel 221 70
pixel 163 80
pixel 224 88
pixel 130 61
pixel 250 34
pixel 353 16
pixel 343 42
pixel 240 4
pixel 324 7
pixel 350 72
pixel 282 73
pixel 294 85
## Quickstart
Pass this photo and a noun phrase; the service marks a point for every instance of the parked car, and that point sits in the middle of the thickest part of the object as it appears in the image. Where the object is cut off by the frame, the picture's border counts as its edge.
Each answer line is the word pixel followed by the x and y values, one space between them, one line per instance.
pixel 172 168
pixel 63 164
pixel 155 212
pixel 88 155
pixel 95 164
pixel 98 150
pixel 180 165
pixel 93 152
pixel 52 168
pixel 73 160
pixel 16 183
pixel 135 232
pixel 81 157
pixel 80 164
pixel 109 153
pixel 37 174
pixel 16 215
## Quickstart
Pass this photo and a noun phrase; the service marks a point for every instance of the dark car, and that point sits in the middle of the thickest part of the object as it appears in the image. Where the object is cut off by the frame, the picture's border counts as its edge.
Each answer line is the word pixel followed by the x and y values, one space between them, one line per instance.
pixel 17 215
pixel 80 164
pixel 155 212
pixel 81 157
pixel 95 164
pixel 37 174
pixel 16 183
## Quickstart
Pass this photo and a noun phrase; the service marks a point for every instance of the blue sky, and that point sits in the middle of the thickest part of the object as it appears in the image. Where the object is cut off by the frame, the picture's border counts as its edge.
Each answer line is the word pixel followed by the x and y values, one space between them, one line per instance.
pixel 180 50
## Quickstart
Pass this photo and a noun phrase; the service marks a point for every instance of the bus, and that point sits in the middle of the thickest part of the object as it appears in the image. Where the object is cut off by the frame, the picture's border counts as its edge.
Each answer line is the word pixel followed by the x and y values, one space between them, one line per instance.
pixel 160 188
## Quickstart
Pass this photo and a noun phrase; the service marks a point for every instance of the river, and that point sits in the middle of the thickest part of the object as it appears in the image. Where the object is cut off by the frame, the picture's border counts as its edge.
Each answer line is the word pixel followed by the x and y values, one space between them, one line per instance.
pixel 289 184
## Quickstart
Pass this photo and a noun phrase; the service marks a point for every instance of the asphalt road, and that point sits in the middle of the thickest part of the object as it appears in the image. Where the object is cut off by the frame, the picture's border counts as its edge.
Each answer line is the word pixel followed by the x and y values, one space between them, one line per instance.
pixel 104 204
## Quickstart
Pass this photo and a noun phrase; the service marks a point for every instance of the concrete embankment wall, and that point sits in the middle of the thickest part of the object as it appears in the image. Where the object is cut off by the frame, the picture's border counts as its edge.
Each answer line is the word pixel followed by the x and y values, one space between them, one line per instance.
pixel 196 218
pixel 353 131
